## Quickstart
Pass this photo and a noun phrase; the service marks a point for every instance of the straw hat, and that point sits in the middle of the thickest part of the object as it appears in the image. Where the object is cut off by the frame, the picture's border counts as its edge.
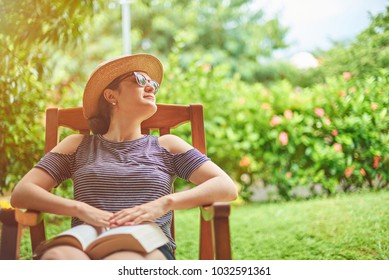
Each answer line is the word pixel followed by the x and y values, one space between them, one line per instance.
pixel 106 72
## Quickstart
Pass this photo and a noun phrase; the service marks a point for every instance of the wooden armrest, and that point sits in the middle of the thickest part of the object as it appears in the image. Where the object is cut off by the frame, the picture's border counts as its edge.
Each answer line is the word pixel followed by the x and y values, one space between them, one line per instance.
pixel 215 210
pixel 34 220
pixel 10 235
pixel 215 242
pixel 28 217
pixel 7 216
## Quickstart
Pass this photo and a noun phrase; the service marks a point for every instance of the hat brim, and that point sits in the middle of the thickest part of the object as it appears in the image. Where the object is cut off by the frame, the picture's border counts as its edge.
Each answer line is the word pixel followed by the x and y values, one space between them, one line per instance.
pixel 106 72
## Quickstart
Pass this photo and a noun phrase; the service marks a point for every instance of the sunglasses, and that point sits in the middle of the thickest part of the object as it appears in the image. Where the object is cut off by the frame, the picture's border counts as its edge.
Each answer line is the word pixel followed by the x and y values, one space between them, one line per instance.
pixel 142 81
pixel 139 78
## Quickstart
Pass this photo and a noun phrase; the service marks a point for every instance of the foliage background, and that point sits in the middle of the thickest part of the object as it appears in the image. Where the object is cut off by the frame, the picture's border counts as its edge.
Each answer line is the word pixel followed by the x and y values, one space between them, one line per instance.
pixel 268 123
pixel 31 31
pixel 326 138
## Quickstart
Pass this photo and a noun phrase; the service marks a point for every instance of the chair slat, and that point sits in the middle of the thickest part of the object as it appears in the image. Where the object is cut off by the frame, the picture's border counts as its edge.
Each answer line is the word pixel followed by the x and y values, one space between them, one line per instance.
pixel 164 131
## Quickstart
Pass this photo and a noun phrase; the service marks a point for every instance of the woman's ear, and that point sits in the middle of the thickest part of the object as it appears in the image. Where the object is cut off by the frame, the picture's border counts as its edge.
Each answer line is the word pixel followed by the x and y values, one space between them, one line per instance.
pixel 110 96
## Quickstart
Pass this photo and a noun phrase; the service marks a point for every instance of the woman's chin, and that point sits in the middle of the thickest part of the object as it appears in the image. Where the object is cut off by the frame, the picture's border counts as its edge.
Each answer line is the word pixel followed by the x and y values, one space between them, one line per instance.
pixel 151 109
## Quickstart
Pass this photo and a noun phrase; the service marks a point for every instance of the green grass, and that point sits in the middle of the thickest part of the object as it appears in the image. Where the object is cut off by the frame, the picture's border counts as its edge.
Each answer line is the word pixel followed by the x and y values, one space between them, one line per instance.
pixel 353 226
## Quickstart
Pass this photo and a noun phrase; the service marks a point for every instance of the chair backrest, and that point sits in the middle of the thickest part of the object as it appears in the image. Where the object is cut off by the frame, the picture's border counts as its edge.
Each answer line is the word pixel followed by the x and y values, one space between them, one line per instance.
pixel 166 118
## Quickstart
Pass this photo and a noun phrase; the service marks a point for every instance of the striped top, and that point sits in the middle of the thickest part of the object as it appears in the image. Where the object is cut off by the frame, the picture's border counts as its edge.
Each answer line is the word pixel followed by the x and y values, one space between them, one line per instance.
pixel 118 175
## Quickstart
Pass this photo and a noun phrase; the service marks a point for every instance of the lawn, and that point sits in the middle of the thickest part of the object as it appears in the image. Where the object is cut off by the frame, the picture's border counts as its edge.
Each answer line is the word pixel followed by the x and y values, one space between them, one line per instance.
pixel 353 226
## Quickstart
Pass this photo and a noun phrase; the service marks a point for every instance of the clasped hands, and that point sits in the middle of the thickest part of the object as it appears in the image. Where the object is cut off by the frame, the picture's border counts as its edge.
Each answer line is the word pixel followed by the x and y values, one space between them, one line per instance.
pixel 125 217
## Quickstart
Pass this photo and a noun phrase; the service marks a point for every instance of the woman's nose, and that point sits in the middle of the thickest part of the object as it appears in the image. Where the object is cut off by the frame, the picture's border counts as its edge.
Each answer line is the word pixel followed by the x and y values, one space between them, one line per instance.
pixel 149 87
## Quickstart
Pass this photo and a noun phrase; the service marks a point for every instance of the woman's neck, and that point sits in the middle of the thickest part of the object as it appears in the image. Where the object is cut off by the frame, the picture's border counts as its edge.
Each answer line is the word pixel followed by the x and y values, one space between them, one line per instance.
pixel 120 131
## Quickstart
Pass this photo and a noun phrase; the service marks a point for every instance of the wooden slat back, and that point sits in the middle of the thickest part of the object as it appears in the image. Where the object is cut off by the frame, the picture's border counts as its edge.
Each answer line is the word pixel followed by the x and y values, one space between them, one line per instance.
pixel 166 118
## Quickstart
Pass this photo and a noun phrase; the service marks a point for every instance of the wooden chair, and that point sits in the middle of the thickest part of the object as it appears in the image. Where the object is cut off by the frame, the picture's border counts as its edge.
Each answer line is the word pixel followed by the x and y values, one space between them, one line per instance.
pixel 214 223
pixel 10 234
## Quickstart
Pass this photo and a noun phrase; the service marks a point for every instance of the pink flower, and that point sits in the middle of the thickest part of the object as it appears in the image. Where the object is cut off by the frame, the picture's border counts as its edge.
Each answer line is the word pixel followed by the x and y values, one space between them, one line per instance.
pixel 283 138
pixel 319 112
pixel 363 172
pixel 242 100
pixel 244 161
pixel 335 132
pixel 275 120
pixel 353 89
pixel 327 139
pixel 347 75
pixel 327 121
pixel 342 93
pixel 288 114
pixel 374 106
pixel 338 147
pixel 206 67
pixel 288 174
pixel 266 106
pixel 349 171
pixel 265 92
pixel 376 162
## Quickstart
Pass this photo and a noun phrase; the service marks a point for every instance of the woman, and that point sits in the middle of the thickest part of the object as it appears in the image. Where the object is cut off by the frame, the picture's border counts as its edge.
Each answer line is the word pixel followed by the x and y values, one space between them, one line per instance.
pixel 120 176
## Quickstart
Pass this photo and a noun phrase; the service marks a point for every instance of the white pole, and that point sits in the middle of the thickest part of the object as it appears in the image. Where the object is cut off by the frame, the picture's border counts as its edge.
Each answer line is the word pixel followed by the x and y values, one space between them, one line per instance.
pixel 126 26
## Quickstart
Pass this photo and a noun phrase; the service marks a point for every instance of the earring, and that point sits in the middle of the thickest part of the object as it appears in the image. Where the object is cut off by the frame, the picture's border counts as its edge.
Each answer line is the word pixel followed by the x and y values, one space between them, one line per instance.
pixel 113 103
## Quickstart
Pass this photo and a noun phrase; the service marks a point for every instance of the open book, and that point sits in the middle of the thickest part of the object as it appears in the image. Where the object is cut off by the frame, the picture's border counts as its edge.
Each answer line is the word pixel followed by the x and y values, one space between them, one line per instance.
pixel 98 243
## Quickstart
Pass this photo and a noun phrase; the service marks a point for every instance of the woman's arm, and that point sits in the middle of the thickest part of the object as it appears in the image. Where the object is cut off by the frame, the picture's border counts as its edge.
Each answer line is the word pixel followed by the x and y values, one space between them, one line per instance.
pixel 213 185
pixel 33 192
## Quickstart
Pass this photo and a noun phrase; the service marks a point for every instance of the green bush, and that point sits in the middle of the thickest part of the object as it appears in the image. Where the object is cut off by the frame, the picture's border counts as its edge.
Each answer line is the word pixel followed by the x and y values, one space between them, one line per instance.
pixel 337 136
pixel 331 135
pixel 30 33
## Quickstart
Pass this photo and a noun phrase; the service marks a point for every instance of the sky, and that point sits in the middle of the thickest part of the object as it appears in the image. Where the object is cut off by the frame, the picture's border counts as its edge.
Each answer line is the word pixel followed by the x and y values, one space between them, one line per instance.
pixel 314 23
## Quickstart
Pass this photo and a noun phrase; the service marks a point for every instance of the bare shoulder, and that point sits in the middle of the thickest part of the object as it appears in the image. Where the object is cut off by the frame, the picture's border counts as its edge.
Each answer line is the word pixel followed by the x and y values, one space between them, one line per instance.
pixel 174 144
pixel 69 144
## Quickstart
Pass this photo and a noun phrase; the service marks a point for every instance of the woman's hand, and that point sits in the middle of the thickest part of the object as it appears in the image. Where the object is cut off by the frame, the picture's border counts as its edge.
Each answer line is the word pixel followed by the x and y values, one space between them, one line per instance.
pixel 142 213
pixel 93 216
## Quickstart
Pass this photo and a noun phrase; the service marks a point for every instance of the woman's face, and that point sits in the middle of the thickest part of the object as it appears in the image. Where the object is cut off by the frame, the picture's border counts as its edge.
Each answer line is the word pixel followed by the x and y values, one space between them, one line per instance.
pixel 136 98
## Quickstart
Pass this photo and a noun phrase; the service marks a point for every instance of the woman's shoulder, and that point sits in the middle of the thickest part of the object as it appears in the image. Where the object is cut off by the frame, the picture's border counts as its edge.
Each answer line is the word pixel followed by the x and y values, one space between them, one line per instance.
pixel 69 144
pixel 174 144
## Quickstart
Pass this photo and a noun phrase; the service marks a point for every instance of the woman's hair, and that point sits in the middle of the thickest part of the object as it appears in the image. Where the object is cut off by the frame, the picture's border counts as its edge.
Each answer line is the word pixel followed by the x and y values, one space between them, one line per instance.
pixel 100 123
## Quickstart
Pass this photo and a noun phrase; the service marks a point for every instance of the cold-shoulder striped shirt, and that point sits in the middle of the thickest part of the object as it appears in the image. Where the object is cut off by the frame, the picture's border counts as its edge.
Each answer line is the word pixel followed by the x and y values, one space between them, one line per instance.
pixel 116 175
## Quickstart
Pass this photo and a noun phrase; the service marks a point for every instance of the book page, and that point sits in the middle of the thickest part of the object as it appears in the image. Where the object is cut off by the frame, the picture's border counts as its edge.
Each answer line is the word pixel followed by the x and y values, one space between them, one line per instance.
pixel 127 229
pixel 142 238
pixel 84 233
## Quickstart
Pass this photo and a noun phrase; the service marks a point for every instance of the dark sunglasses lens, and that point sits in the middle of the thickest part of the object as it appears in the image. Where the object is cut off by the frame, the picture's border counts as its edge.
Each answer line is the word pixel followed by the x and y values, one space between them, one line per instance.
pixel 140 79
pixel 155 86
